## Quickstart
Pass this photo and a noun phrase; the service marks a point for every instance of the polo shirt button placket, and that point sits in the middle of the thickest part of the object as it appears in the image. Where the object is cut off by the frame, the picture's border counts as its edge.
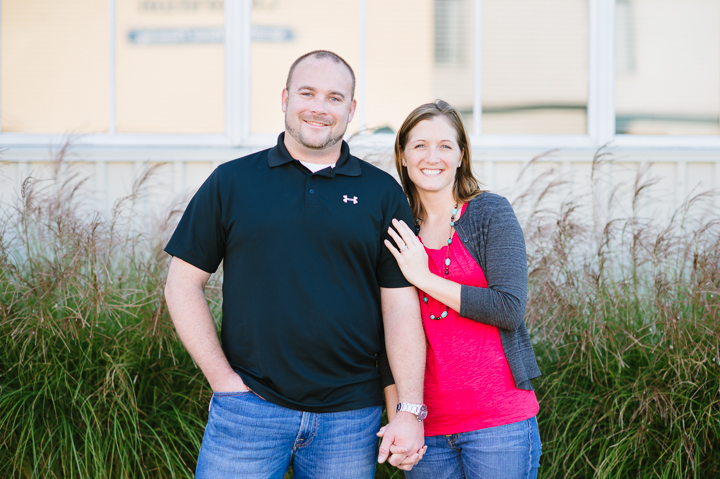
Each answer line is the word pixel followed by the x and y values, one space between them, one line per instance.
pixel 310 193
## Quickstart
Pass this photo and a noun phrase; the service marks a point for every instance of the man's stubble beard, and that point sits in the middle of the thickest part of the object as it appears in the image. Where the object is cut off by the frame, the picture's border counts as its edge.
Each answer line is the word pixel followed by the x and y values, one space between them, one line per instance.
pixel 298 136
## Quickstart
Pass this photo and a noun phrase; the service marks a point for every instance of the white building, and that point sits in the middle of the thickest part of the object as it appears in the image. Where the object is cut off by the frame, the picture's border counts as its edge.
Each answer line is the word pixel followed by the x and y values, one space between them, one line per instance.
pixel 195 83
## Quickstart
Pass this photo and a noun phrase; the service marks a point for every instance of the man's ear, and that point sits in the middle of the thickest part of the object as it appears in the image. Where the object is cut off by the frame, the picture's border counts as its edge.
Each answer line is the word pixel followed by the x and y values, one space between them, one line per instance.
pixel 352 110
pixel 285 97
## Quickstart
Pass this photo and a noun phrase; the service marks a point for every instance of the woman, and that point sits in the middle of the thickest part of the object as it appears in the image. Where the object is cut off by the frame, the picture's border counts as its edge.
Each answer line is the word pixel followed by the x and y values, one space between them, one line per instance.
pixel 468 263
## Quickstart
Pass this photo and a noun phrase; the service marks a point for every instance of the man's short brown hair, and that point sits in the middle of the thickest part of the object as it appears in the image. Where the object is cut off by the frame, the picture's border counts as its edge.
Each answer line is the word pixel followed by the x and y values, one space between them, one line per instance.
pixel 322 54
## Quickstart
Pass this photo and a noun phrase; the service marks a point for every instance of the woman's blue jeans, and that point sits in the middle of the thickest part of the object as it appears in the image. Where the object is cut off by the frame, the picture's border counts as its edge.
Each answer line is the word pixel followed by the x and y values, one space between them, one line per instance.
pixel 511 451
pixel 249 437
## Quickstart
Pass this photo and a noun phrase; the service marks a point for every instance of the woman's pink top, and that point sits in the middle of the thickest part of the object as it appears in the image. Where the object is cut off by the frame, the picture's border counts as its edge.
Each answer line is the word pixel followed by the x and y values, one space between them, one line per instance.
pixel 468 383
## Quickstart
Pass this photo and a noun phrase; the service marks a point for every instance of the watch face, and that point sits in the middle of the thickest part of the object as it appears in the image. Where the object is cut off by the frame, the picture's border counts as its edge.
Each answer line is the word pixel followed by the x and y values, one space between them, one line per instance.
pixel 423 413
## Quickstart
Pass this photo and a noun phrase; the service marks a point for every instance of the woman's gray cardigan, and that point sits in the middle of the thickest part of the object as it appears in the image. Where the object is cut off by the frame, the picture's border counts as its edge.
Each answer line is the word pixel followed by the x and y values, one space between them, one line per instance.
pixel 492 235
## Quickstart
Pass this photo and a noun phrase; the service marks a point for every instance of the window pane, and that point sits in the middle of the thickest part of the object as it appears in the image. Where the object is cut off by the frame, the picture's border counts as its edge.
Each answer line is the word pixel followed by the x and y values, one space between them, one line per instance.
pixel 667 67
pixel 170 67
pixel 534 66
pixel 282 31
pixel 54 66
pixel 416 55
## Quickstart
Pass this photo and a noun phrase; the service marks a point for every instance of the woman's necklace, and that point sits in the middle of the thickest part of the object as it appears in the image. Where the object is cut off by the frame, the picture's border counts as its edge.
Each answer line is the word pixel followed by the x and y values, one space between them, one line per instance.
pixel 447 260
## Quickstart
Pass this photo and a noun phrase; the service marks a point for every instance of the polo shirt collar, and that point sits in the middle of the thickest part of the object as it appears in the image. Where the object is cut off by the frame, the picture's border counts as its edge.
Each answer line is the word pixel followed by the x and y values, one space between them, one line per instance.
pixel 346 165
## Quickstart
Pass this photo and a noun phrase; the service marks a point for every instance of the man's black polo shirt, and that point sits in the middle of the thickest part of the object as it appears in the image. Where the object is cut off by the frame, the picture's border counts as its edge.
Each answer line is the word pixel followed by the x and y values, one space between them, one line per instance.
pixel 303 262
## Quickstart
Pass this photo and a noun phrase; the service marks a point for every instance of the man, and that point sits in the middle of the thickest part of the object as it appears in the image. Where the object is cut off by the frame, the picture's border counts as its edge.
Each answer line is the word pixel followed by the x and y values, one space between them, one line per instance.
pixel 300 229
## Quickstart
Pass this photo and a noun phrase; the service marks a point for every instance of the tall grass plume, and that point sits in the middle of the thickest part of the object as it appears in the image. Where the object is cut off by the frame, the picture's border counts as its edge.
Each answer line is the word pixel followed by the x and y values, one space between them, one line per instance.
pixel 624 311
pixel 94 380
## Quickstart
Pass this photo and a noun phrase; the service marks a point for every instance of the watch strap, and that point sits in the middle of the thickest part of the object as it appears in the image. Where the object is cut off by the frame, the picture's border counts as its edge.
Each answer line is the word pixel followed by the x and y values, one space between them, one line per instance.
pixel 419 410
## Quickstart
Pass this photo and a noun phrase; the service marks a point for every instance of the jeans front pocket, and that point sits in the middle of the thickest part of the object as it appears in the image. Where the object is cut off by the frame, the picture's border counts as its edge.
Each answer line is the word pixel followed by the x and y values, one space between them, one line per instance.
pixel 230 393
pixel 227 394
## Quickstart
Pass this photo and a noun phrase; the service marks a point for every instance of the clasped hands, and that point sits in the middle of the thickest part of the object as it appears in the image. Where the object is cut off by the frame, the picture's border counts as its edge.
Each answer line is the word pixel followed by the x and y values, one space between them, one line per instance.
pixel 402 441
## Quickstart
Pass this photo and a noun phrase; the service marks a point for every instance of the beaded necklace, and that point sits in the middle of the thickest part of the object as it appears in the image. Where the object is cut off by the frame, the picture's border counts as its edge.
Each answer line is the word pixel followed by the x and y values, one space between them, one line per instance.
pixel 447 260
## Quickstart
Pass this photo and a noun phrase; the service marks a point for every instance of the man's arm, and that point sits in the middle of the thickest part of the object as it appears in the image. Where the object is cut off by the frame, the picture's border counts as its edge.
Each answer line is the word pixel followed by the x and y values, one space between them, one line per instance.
pixel 405 345
pixel 185 297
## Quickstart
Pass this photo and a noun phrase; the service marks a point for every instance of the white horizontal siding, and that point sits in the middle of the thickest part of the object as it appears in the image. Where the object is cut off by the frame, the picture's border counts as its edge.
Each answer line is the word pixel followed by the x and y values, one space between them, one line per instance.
pixel 111 173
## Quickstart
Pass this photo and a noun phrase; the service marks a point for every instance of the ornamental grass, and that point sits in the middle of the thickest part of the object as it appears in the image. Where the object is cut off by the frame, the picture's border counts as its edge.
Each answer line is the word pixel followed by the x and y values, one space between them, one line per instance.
pixel 624 312
pixel 95 383
pixel 625 318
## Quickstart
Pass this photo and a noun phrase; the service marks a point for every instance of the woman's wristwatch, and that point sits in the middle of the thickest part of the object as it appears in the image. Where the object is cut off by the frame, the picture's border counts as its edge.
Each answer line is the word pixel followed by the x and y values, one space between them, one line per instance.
pixel 419 410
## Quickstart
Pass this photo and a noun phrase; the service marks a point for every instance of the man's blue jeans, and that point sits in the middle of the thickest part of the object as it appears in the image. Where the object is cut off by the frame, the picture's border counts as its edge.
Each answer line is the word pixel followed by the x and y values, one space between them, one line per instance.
pixel 248 437
pixel 511 451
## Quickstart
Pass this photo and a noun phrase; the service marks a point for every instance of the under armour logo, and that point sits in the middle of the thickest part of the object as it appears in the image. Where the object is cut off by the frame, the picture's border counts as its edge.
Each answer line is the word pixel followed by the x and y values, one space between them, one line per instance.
pixel 354 199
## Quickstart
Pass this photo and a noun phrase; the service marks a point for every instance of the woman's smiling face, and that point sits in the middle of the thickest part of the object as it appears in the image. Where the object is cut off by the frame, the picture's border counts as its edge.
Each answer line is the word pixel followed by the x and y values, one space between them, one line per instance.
pixel 432 155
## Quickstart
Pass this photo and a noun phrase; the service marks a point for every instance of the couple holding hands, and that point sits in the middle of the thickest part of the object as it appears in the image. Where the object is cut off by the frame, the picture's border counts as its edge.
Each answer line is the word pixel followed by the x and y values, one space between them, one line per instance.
pixel 338 284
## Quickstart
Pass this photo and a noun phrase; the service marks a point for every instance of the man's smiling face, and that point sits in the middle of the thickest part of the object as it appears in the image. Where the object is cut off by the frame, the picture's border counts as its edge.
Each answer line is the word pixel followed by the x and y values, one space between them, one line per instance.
pixel 318 104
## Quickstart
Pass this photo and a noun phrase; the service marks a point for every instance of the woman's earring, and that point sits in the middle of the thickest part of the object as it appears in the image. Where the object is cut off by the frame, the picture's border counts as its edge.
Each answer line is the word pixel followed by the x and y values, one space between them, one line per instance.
pixel 404 164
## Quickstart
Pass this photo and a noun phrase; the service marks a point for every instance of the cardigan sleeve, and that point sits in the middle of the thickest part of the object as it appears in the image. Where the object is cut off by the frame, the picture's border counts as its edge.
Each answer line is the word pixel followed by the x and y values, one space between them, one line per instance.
pixel 502 303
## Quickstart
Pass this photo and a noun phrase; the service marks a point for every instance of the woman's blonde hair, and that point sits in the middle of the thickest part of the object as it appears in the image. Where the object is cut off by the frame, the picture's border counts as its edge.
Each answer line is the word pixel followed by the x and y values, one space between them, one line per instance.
pixel 466 186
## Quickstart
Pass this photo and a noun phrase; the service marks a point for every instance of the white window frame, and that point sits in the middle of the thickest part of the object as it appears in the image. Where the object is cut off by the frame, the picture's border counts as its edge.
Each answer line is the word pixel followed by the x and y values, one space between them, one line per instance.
pixel 238 21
